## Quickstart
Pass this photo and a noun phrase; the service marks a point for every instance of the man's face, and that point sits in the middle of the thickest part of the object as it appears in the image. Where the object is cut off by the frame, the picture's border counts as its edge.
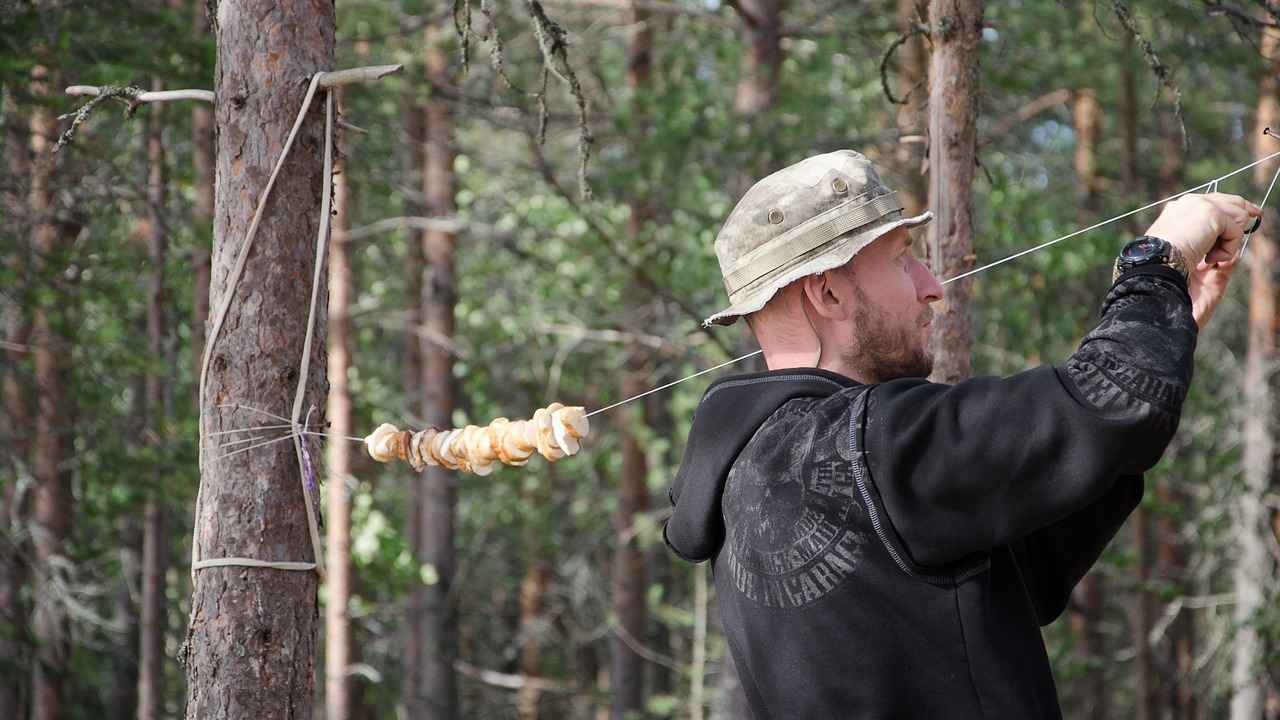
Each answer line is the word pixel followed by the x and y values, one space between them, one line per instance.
pixel 891 319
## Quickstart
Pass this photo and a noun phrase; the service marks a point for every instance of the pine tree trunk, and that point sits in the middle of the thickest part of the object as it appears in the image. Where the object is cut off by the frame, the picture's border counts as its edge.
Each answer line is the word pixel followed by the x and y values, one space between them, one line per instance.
pixel 16 403
pixel 413 115
pixel 338 585
pixel 913 76
pixel 956 30
pixel 629 581
pixel 757 87
pixel 52 503
pixel 533 592
pixel 152 620
pixel 1087 605
pixel 251 642
pixel 1144 690
pixel 1254 570
pixel 435 690
pixel 202 171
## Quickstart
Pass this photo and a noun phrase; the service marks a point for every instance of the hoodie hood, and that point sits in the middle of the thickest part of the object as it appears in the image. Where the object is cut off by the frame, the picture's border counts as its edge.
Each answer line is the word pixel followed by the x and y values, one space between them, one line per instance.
pixel 729 414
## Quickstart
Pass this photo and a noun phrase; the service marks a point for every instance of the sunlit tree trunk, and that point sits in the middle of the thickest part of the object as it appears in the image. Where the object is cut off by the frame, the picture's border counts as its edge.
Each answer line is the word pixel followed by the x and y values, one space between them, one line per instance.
pixel 533 593
pixel 913 76
pixel 251 643
pixel 956 34
pixel 202 204
pixel 15 401
pixel 435 690
pixel 1087 605
pixel 1254 572
pixel 627 671
pixel 338 584
pixel 51 518
pixel 152 615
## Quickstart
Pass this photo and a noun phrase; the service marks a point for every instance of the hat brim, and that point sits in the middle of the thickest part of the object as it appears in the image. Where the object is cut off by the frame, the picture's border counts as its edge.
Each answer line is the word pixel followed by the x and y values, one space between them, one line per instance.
pixel 827 257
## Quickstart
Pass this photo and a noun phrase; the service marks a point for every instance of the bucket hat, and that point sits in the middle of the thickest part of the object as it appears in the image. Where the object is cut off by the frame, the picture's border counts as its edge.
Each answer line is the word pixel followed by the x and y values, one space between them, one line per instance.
pixel 804 219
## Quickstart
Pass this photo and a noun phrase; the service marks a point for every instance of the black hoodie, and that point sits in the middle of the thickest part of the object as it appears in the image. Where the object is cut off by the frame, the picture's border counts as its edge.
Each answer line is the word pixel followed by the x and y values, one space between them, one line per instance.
pixel 890 550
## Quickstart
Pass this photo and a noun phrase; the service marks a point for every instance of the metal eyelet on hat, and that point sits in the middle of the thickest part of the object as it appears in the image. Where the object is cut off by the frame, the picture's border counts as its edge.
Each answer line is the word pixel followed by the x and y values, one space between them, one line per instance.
pixel 840 186
pixel 775 216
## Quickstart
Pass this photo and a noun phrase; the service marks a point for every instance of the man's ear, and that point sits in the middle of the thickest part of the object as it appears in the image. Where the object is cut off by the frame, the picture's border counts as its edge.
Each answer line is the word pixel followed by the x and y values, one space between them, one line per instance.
pixel 821 291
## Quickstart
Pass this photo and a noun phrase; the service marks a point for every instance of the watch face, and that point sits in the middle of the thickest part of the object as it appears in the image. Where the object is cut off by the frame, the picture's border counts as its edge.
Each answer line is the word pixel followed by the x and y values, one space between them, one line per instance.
pixel 1144 248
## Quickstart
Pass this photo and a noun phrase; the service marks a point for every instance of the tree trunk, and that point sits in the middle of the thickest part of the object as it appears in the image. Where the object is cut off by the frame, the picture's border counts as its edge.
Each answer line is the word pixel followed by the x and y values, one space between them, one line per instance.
pixel 913 74
pixel 1144 690
pixel 956 29
pixel 1253 570
pixel 629 582
pixel 338 587
pixel 435 694
pixel 251 641
pixel 1087 606
pixel 413 115
pixel 202 205
pixel 758 78
pixel 153 616
pixel 16 403
pixel 52 513
pixel 533 592
pixel 757 88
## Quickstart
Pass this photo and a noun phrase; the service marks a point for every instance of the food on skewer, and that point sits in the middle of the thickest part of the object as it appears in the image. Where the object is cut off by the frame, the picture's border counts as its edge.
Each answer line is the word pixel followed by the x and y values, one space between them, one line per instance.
pixel 554 432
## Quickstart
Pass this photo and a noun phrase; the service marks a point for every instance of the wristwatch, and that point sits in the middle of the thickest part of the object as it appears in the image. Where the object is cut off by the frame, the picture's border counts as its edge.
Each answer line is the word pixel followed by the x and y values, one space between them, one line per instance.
pixel 1146 250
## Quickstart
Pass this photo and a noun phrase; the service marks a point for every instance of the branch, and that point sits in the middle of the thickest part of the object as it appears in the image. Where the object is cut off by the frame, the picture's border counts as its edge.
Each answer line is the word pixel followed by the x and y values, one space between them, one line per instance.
pixel 509 681
pixel 652 6
pixel 137 95
pixel 1161 70
pixel 1045 102
pixel 132 97
pixel 903 39
pixel 437 224
pixel 1216 8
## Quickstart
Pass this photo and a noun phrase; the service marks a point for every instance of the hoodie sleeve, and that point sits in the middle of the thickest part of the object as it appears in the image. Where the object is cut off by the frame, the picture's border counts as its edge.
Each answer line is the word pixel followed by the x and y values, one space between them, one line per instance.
pixel 968 467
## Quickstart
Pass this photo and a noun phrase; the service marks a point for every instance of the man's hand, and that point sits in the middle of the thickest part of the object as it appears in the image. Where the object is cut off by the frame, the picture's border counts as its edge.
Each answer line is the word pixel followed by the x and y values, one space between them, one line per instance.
pixel 1208 230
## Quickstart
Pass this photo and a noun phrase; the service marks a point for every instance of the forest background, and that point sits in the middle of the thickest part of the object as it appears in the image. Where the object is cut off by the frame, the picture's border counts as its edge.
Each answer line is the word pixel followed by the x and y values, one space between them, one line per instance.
pixel 482 265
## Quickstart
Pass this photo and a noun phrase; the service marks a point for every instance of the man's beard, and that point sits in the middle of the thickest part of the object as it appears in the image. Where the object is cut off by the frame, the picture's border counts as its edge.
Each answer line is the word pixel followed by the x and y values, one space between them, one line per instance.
pixel 881 351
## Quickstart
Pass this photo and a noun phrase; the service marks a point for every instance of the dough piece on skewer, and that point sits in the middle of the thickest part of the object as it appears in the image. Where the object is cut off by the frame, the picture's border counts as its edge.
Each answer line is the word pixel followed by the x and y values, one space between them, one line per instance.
pixel 570 425
pixel 380 442
pixel 546 437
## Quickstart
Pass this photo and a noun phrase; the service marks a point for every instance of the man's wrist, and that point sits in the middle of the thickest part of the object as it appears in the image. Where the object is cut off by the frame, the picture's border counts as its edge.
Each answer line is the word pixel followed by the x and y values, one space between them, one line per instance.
pixel 1150 250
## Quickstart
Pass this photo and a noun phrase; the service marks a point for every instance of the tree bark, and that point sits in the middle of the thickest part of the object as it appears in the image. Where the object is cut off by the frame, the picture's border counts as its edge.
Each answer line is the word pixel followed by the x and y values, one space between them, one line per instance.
pixel 202 171
pixel 1254 572
pixel 435 690
pixel 627 667
pixel 913 74
pixel 16 403
pixel 52 513
pixel 338 587
pixel 1087 605
pixel 761 64
pixel 153 617
pixel 956 29
pixel 414 117
pixel 757 87
pixel 250 648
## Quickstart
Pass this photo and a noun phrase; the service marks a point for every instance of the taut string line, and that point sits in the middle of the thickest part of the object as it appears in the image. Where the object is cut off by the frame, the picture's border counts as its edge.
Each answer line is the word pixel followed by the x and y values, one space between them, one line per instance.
pixel 1212 184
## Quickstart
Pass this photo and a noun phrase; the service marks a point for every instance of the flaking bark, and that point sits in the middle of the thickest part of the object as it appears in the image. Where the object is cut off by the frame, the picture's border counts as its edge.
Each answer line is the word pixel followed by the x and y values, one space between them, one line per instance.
pixel 251 643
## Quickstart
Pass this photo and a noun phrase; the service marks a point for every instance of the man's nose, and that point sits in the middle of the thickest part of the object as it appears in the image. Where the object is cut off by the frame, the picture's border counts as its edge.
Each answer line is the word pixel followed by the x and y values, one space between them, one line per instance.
pixel 928 289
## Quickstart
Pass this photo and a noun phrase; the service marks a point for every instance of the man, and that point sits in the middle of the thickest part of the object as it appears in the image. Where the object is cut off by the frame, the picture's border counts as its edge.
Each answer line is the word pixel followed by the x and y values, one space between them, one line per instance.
pixel 887 547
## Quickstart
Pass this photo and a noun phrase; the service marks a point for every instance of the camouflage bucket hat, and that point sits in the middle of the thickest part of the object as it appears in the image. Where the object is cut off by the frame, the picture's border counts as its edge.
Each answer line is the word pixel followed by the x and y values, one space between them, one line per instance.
pixel 804 219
